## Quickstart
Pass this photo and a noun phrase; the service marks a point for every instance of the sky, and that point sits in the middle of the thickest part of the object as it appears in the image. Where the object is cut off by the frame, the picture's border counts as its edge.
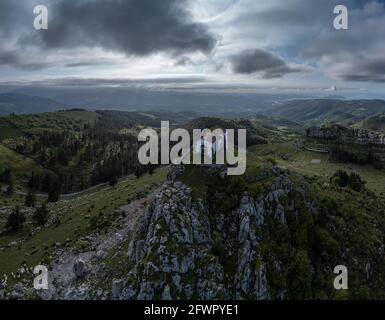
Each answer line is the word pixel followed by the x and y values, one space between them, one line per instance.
pixel 239 45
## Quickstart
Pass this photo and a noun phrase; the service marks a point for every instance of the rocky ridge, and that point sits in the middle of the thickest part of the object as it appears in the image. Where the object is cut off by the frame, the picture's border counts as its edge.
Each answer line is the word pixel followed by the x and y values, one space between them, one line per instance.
pixel 347 135
pixel 174 251
pixel 171 250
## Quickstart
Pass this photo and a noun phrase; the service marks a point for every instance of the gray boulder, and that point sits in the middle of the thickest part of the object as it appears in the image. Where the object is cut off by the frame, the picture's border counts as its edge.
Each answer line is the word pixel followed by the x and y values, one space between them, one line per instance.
pixel 117 288
pixel 81 269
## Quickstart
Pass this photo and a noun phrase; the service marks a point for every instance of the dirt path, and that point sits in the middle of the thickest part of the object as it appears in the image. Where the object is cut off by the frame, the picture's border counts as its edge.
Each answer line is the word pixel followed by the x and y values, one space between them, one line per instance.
pixel 68 195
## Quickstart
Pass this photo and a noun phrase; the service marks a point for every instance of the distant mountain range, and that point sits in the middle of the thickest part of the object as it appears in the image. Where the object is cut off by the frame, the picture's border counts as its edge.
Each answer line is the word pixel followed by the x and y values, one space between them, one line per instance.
pixel 305 112
pixel 210 103
pixel 320 111
pixel 36 100
pixel 20 103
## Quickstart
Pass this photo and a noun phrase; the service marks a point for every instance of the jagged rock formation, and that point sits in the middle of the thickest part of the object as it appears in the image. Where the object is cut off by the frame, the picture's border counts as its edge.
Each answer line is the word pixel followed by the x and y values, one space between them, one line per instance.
pixel 81 269
pixel 172 251
pixel 250 275
pixel 251 278
pixel 173 248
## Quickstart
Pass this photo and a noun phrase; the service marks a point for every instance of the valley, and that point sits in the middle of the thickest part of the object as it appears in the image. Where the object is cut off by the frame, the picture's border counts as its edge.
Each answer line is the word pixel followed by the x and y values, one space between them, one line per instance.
pixel 110 228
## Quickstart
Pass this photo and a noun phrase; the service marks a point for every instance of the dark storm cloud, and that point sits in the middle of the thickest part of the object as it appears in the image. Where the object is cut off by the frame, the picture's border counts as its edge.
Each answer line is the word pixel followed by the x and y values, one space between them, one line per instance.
pixel 10 12
pixel 16 18
pixel 97 62
pixel 8 58
pixel 133 27
pixel 302 32
pixel 256 60
pixel 363 77
pixel 365 70
pixel 13 58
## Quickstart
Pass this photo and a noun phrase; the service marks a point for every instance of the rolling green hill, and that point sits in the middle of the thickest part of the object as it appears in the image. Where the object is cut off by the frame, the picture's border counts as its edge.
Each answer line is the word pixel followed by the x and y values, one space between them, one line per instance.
pixel 260 129
pixel 286 217
pixel 376 123
pixel 21 166
pixel 13 126
pixel 79 148
pixel 321 111
pixel 20 103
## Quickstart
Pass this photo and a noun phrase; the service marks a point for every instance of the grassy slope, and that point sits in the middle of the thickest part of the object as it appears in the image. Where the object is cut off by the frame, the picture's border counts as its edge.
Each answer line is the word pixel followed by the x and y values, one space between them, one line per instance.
pixel 75 215
pixel 21 166
pixel 10 201
pixel 299 160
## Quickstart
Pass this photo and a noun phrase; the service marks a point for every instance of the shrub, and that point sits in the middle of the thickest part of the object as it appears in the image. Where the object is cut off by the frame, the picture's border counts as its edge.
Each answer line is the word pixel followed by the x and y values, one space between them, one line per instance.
pixel 355 182
pixel 10 189
pixel 343 179
pixel 40 217
pixel 53 195
pixel 272 160
pixel 15 220
pixel 113 181
pixel 30 199
pixel 340 178
pixel 255 190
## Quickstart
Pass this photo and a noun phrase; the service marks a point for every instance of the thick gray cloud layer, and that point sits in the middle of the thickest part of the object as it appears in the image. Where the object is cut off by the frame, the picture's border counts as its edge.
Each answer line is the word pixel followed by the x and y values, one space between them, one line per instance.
pixel 365 70
pixel 304 31
pixel 356 54
pixel 8 58
pixel 138 27
pixel 12 14
pixel 252 61
pixel 250 36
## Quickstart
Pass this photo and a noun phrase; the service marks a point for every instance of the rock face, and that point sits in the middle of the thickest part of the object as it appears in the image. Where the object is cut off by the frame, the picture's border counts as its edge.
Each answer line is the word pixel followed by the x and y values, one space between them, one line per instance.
pixel 2 289
pixel 251 276
pixel 19 292
pixel 117 287
pixel 81 269
pixel 347 135
pixel 172 251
